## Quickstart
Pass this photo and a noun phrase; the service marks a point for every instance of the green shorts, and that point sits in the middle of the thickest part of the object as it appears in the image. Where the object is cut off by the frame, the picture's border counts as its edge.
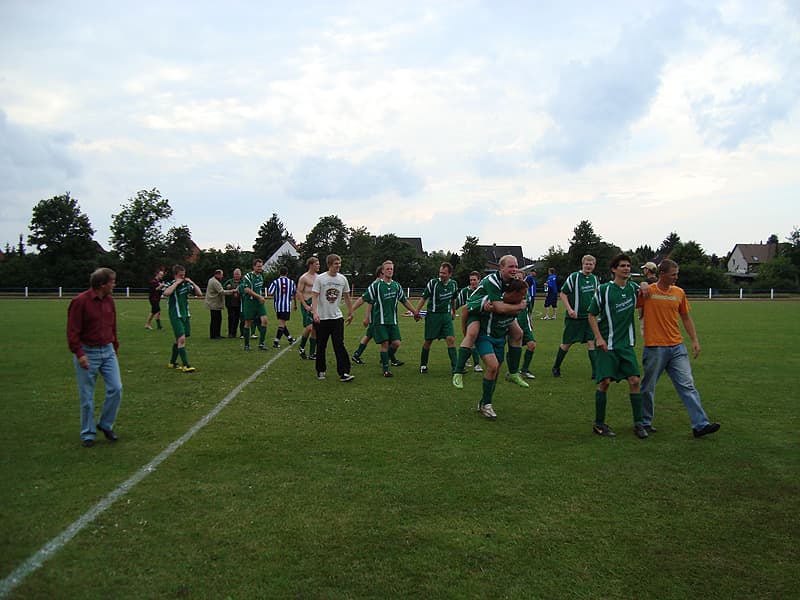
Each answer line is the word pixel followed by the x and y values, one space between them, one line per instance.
pixel 438 326
pixel 577 331
pixel 252 310
pixel 491 345
pixel 308 318
pixel 385 333
pixel 616 364
pixel 370 331
pixel 181 326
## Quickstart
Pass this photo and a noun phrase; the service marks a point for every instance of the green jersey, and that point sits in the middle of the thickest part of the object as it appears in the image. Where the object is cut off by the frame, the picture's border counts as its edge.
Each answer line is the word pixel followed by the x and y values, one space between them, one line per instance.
pixel 384 298
pixel 178 301
pixel 580 289
pixel 440 295
pixel 614 307
pixel 254 281
pixel 463 294
pixel 492 287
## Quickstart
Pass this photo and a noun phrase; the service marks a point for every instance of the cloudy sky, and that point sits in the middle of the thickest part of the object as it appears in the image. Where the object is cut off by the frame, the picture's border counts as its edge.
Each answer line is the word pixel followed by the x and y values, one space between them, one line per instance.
pixel 507 120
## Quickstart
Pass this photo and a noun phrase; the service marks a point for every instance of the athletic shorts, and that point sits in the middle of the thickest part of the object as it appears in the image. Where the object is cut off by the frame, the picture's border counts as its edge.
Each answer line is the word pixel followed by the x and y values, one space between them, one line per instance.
pixel 181 326
pixel 491 345
pixel 615 364
pixel 551 300
pixel 527 336
pixel 438 326
pixel 305 310
pixel 155 306
pixel 385 333
pixel 283 315
pixel 253 310
pixel 370 332
pixel 577 331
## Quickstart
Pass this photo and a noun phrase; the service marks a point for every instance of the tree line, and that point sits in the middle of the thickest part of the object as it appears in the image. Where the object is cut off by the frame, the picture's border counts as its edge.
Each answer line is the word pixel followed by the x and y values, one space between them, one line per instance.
pixel 66 252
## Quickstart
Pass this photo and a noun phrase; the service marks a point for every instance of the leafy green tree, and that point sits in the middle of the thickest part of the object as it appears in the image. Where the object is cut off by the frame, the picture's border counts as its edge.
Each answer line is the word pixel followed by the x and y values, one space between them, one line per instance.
pixel 136 235
pixel 666 247
pixel 329 236
pixel 360 253
pixel 689 253
pixel 473 258
pixel 271 236
pixel 408 268
pixel 586 241
pixel 62 235
pixel 178 245
pixel 779 274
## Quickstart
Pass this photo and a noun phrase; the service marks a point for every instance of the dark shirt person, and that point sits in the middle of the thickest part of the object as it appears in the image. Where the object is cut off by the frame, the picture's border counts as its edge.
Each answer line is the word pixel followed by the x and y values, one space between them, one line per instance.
pixel 92 339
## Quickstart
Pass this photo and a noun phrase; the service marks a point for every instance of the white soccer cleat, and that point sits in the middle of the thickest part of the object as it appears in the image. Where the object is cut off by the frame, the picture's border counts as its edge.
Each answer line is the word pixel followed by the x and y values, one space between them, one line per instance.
pixel 487 411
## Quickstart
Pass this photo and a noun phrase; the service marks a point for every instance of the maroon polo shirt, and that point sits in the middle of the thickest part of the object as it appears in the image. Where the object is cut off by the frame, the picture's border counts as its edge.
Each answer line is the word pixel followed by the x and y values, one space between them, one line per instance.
pixel 91 320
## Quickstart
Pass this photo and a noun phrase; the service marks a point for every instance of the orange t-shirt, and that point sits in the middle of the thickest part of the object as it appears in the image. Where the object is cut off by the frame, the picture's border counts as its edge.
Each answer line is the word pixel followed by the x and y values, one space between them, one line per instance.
pixel 661 313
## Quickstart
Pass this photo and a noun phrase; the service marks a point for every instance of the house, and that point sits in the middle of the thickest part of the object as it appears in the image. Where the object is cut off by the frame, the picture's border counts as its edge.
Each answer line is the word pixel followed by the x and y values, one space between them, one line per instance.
pixel 494 253
pixel 414 242
pixel 287 247
pixel 745 259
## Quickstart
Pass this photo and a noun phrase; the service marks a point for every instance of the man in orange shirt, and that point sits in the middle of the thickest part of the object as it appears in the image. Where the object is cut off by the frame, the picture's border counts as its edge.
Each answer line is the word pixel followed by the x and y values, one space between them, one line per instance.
pixel 664 349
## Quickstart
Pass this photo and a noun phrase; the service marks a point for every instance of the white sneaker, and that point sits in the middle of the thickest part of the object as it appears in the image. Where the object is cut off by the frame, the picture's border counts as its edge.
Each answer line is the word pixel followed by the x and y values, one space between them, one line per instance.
pixel 321 375
pixel 347 377
pixel 478 369
pixel 488 412
pixel 423 369
pixel 527 375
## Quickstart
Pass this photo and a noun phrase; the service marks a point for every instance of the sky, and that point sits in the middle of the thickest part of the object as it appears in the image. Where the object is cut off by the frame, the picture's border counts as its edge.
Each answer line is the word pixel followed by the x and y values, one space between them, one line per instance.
pixel 509 121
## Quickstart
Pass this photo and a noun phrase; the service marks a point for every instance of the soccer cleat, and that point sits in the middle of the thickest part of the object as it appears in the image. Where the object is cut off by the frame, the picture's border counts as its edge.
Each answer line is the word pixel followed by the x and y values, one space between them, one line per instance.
pixel 254 336
pixel 173 366
pixel 262 347
pixel 148 327
pixel 247 348
pixel 357 359
pixel 556 372
pixel 347 377
pixel 423 369
pixel 478 369
pixel 321 375
pixel 650 429
pixel 302 353
pixel 527 375
pixel 488 411
pixel 275 344
pixel 603 430
pixel 705 430
pixel 388 374
pixel 396 363
pixel 312 356
pixel 517 378
pixel 291 340
pixel 458 380
pixel 188 369
pixel 640 432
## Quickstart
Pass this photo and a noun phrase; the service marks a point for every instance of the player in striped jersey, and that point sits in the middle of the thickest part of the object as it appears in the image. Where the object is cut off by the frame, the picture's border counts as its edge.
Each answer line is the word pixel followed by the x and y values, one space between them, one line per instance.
pixel 251 289
pixel 610 316
pixel 177 292
pixel 441 295
pixel 283 291
pixel 576 294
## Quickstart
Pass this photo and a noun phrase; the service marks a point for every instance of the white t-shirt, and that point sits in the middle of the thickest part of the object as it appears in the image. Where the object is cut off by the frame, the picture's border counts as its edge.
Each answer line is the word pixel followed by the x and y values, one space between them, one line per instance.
pixel 331 290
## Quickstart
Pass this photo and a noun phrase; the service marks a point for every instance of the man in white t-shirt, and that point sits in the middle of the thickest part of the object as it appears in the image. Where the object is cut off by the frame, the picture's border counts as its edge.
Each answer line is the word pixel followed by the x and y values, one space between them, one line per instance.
pixel 326 298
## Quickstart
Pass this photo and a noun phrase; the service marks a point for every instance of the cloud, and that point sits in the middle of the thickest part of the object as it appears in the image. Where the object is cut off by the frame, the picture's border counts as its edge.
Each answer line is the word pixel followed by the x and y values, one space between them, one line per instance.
pixel 318 178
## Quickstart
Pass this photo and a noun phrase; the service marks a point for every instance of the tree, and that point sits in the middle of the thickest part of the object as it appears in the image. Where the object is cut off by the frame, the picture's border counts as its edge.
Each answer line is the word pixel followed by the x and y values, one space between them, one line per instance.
pixel 557 258
pixel 665 249
pixel 178 245
pixel 329 236
pixel 586 241
pixel 408 268
pixel 136 234
pixel 473 258
pixel 271 236
pixel 689 253
pixel 773 239
pixel 780 274
pixel 360 254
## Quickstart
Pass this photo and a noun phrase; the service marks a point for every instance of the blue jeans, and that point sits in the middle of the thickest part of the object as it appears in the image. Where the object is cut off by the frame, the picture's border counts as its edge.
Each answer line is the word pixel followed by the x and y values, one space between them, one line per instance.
pixel 102 360
pixel 675 361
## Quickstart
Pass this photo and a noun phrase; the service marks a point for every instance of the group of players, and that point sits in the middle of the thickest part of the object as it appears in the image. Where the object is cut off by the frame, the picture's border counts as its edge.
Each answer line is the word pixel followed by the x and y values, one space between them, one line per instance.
pixel 495 318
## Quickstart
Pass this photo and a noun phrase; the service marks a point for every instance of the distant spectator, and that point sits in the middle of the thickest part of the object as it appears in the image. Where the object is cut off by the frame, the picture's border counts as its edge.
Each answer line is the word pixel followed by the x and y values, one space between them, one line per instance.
pixel 155 288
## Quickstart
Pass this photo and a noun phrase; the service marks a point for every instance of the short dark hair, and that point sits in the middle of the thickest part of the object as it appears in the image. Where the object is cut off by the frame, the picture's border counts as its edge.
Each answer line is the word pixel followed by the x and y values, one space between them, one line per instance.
pixel 618 259
pixel 517 285
pixel 448 265
pixel 178 269
pixel 100 277
pixel 283 271
pixel 478 275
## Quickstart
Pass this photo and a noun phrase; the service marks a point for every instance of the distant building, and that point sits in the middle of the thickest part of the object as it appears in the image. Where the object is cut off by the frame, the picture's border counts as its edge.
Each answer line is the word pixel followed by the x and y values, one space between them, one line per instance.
pixel 415 243
pixel 494 253
pixel 745 259
pixel 287 247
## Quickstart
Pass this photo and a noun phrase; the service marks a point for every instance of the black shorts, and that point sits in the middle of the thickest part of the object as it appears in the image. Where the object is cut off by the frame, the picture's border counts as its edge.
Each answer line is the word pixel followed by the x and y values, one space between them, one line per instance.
pixel 283 315
pixel 155 306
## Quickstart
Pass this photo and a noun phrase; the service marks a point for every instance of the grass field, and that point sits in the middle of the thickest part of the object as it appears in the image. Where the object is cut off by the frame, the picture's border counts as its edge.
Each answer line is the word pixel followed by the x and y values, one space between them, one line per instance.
pixel 397 488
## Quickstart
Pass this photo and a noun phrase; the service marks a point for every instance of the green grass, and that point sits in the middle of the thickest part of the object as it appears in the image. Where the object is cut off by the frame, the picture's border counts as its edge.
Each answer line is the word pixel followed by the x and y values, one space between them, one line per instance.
pixel 398 488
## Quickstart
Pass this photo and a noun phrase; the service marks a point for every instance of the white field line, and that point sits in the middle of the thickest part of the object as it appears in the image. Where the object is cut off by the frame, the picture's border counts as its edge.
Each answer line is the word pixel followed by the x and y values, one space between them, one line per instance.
pixel 50 548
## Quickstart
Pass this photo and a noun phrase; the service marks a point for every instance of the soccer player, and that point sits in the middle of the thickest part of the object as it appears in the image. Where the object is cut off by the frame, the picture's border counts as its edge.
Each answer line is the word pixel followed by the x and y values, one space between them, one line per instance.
pixel 177 291
pixel 492 287
pixel 664 349
pixel 530 280
pixel 251 289
pixel 156 287
pixel 382 297
pixel 461 301
pixel 576 293
pixel 368 334
pixel 283 292
pixel 441 295
pixel 611 318
pixel 528 339
pixel 304 287
pixel 92 339
pixel 496 317
pixel 550 295
pixel 326 298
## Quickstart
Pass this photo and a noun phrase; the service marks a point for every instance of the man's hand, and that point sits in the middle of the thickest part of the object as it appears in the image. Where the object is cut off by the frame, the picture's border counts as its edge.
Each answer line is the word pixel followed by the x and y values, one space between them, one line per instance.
pixel 83 361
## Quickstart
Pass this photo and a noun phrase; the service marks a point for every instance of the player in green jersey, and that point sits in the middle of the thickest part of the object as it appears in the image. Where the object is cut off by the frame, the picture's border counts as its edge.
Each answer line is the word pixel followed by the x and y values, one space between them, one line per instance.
pixel 251 290
pixel 440 294
pixel 528 339
pixel 368 334
pixel 177 292
pixel 576 293
pixel 461 301
pixel 383 299
pixel 611 317
pixel 496 320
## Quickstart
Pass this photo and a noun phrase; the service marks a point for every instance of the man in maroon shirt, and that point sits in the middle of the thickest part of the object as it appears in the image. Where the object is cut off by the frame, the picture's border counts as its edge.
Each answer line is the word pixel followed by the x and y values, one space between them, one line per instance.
pixel 92 338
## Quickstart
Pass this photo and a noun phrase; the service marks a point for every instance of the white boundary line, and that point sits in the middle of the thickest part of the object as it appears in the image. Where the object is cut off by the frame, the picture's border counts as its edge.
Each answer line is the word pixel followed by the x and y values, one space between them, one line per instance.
pixel 50 548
